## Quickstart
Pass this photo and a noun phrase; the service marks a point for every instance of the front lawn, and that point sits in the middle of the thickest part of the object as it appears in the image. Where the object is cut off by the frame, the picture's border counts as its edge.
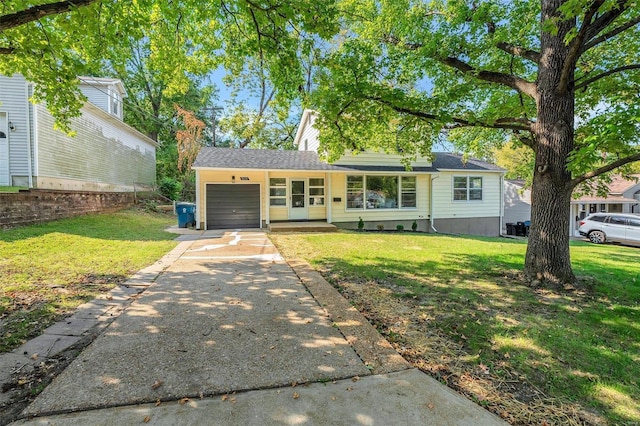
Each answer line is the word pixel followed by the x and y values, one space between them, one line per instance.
pixel 456 308
pixel 47 270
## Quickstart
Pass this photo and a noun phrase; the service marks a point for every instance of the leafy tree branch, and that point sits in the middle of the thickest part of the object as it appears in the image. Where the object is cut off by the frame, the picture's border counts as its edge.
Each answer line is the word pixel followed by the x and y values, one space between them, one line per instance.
pixel 33 13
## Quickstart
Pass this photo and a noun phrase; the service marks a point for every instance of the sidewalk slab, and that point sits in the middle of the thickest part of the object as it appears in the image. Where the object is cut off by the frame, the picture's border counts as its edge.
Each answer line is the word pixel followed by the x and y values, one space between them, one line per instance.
pixel 404 398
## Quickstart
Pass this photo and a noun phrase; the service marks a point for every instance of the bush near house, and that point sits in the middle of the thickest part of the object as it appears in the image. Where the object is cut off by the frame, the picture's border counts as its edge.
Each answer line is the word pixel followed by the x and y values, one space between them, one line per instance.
pixel 457 309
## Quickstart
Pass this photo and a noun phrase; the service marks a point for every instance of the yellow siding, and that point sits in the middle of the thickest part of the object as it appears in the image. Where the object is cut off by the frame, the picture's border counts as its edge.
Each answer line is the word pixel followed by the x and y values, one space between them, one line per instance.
pixel 445 207
pixel 370 158
pixel 275 213
pixel 226 177
pixel 339 212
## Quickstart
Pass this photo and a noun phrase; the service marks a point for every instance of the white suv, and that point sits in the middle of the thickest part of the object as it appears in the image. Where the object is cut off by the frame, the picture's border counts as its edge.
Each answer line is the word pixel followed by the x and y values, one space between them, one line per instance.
pixel 614 227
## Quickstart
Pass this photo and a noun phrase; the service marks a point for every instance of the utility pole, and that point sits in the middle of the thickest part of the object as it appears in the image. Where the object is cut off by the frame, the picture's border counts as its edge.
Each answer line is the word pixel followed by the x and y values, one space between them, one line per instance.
pixel 213 110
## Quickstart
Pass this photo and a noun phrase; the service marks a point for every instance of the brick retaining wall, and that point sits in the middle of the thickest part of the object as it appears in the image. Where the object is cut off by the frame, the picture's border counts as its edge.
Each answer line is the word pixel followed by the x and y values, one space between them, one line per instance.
pixel 38 205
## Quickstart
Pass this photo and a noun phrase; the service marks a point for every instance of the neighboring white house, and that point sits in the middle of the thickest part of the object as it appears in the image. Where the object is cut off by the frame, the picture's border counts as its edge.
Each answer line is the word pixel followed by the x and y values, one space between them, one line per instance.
pixel 517 202
pixel 104 155
pixel 240 188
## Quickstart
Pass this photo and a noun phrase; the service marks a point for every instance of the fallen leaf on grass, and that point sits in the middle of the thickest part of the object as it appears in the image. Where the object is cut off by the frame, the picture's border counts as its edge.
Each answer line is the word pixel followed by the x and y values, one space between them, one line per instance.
pixel 183 401
pixel 147 419
pixel 34 356
pixel 355 378
pixel 294 384
pixel 296 395
pixel 158 402
pixel 156 384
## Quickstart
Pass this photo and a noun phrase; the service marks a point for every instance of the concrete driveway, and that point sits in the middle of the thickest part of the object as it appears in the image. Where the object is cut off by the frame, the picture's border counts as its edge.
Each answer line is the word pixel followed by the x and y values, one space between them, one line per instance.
pixel 230 334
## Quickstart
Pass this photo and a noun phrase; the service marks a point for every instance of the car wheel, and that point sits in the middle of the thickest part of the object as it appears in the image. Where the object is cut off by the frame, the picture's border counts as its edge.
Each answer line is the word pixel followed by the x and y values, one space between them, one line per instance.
pixel 597 237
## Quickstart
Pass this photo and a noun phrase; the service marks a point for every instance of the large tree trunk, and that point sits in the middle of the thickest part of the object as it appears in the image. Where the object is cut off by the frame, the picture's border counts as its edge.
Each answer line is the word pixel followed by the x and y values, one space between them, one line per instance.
pixel 548 261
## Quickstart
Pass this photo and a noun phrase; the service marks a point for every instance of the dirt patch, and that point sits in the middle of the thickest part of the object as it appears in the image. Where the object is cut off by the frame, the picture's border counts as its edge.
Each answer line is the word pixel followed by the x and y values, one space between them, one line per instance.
pixel 409 326
pixel 26 383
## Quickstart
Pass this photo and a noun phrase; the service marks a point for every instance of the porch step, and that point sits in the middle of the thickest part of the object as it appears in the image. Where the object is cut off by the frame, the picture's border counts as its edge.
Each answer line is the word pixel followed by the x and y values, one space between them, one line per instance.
pixel 302 227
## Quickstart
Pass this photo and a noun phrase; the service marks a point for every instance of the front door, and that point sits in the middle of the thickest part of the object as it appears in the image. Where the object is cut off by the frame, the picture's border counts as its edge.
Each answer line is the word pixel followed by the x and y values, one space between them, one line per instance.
pixel 298 205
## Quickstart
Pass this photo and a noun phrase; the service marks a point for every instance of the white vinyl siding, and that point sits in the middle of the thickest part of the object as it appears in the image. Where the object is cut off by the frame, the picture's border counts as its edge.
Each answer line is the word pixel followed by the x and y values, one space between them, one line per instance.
pixel 103 151
pixel 445 206
pixel 309 140
pixel 97 95
pixel 14 103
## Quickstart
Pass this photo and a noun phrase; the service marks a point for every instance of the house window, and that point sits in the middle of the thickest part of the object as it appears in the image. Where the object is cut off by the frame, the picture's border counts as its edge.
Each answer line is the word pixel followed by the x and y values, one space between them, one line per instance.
pixel 467 188
pixel 316 191
pixel 382 192
pixel 408 189
pixel 277 191
pixel 372 192
pixel 355 191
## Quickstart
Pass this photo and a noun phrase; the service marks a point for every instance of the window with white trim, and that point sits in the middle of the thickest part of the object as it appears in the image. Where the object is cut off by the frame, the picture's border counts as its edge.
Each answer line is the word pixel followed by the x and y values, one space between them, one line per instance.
pixel 467 188
pixel 408 191
pixel 277 192
pixel 372 192
pixel 316 191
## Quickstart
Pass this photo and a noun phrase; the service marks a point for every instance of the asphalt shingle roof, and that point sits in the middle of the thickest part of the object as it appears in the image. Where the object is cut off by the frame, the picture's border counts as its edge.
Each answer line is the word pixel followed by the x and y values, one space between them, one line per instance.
pixel 265 159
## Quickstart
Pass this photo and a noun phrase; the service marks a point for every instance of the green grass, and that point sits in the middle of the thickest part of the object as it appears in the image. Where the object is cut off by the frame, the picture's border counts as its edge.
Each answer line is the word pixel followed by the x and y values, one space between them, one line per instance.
pixel 11 188
pixel 47 270
pixel 578 348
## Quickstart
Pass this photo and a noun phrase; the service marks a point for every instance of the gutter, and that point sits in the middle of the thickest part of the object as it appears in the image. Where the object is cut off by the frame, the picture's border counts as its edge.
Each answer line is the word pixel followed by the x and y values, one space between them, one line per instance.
pixel 431 218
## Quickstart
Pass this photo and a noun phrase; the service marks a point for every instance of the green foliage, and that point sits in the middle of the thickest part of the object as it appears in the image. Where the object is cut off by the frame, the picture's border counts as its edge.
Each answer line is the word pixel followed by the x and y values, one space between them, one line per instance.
pixel 414 226
pixel 170 188
pixel 360 224
pixel 380 227
pixel 517 160
pixel 182 40
pixel 399 227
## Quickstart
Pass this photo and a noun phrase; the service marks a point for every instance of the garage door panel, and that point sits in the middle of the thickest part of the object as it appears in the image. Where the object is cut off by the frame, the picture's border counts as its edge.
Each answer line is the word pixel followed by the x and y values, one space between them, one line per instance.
pixel 233 206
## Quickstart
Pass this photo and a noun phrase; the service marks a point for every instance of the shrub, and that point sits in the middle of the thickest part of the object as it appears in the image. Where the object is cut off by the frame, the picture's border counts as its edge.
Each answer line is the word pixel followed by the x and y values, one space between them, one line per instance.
pixel 170 188
pixel 414 226
pixel 399 227
pixel 360 224
pixel 380 227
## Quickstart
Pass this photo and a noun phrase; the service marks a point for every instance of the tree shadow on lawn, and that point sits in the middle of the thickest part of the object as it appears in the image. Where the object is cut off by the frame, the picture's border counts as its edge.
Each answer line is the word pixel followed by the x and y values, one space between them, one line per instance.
pixel 571 345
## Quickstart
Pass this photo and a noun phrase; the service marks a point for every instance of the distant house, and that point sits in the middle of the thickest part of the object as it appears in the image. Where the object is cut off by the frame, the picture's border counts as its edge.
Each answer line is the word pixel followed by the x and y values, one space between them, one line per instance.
pixel 623 197
pixel 104 155
pixel 245 188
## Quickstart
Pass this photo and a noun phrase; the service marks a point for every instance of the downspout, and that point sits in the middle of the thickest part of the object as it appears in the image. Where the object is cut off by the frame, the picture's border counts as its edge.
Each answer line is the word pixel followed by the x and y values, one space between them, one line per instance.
pixel 501 203
pixel 199 224
pixel 266 202
pixel 329 199
pixel 431 218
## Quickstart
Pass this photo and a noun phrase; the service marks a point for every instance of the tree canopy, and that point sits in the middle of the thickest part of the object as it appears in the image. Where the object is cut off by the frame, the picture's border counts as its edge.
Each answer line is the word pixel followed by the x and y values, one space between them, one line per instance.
pixel 51 43
pixel 561 77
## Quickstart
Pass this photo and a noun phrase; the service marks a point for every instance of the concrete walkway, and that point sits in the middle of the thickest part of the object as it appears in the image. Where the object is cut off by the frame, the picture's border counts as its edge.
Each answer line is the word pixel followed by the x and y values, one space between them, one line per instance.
pixel 231 334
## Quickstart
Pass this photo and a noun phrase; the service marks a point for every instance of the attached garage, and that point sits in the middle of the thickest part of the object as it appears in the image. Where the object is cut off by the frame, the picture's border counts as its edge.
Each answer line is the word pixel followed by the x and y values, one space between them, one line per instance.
pixel 233 206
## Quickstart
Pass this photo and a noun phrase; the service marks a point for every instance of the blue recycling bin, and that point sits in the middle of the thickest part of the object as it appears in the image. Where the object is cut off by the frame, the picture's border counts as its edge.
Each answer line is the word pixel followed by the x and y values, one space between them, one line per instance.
pixel 186 214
